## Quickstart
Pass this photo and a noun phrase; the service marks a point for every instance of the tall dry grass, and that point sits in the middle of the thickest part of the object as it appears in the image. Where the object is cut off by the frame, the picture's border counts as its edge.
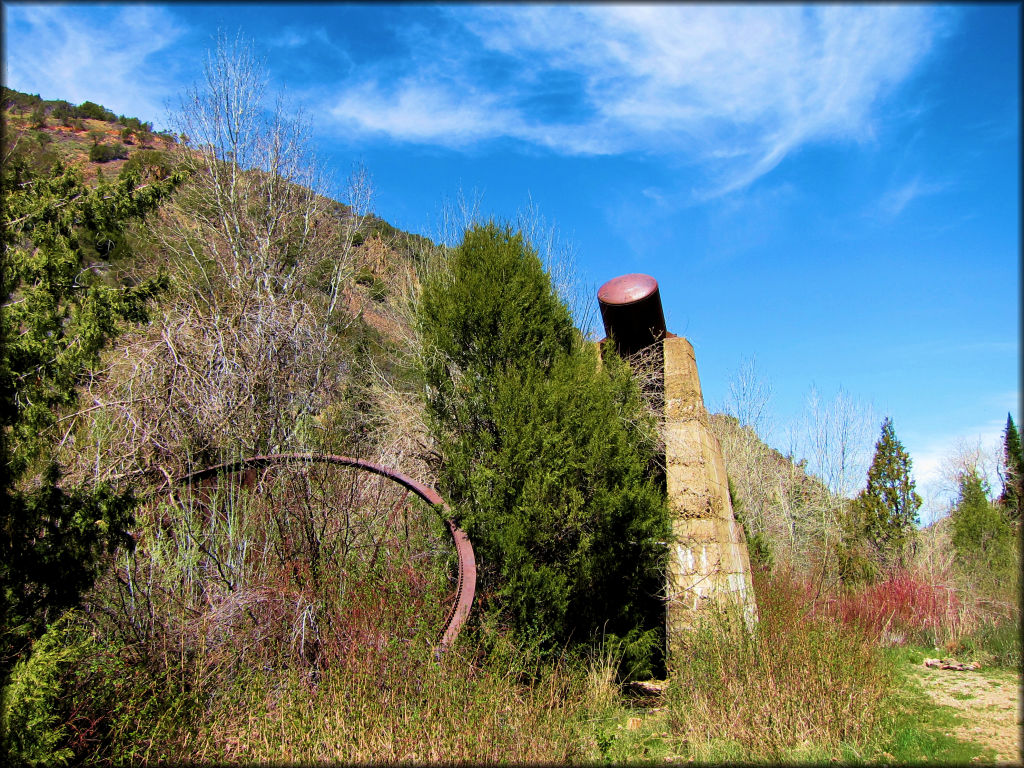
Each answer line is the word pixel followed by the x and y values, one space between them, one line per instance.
pixel 454 709
pixel 801 680
pixel 296 620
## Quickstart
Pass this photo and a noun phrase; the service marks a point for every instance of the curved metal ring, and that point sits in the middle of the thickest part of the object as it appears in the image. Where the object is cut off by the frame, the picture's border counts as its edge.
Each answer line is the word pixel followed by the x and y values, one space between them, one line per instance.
pixel 466 588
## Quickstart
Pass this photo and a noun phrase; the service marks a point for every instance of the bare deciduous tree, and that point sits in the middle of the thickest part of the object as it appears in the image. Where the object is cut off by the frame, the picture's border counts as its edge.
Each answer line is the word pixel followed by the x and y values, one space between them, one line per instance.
pixel 247 350
pixel 748 399
pixel 836 438
pixel 795 501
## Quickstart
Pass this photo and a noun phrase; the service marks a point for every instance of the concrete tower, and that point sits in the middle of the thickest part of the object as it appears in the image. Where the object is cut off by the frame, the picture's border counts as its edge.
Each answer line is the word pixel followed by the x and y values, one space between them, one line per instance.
pixel 708 560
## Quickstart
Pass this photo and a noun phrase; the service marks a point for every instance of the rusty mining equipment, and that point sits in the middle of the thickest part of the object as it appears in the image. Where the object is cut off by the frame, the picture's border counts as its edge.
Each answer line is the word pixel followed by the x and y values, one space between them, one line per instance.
pixel 290 479
pixel 708 561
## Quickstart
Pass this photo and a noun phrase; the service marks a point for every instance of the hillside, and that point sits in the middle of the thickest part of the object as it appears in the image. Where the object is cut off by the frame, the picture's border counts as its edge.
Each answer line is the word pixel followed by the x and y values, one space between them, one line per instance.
pixel 40 132
pixel 364 324
pixel 788 513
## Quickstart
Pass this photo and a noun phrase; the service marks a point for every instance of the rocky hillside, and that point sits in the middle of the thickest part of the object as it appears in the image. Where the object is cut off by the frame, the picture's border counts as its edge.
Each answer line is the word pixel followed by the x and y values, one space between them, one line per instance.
pixel 336 328
pixel 41 132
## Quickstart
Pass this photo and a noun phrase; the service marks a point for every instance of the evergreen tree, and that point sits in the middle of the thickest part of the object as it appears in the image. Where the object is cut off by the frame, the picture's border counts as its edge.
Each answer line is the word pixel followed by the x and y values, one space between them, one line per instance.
pixel 545 452
pixel 1013 468
pixel 888 507
pixel 56 319
pixel 981 533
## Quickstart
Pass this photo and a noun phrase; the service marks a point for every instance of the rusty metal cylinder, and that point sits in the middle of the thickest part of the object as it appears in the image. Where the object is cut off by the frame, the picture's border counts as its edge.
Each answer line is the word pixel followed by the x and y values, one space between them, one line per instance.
pixel 631 311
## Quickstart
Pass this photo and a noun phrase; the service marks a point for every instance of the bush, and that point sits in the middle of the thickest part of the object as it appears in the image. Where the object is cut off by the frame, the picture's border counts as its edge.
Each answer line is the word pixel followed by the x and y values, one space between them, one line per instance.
pixel 148 162
pixel 34 710
pixel 545 452
pixel 799 679
pixel 982 535
pixel 903 609
pixel 63 111
pixel 378 288
pixel 995 643
pixel 92 111
pixel 104 153
pixel 38 119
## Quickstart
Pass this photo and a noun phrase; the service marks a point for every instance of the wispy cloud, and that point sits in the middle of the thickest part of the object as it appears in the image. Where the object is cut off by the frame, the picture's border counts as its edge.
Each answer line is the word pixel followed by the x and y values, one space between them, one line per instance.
pixel 736 88
pixel 896 199
pixel 96 53
pixel 298 37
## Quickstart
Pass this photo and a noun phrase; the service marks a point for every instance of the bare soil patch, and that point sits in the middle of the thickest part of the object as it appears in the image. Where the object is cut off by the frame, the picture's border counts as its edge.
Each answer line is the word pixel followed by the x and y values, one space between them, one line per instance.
pixel 989 701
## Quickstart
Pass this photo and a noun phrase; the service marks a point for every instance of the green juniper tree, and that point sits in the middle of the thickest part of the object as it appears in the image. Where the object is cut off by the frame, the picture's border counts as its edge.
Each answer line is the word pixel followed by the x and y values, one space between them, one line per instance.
pixel 545 453
pixel 981 532
pixel 887 509
pixel 1013 469
pixel 56 319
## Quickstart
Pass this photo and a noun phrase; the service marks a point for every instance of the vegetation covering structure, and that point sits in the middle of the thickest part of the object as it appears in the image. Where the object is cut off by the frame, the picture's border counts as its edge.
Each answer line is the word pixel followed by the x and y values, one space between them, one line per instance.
pixel 545 453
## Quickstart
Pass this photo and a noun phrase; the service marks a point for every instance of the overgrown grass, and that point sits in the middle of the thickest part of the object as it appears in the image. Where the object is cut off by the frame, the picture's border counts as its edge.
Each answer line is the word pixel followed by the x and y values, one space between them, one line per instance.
pixel 455 709
pixel 994 643
pixel 288 627
pixel 401 703
pixel 801 686
pixel 218 641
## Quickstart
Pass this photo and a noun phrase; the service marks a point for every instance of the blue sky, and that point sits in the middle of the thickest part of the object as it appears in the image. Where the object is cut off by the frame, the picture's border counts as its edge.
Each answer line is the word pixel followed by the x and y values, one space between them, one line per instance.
pixel 831 190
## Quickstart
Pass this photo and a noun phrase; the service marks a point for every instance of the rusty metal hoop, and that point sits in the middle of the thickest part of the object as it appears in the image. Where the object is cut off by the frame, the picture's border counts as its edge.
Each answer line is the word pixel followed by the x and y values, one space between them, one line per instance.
pixel 466 586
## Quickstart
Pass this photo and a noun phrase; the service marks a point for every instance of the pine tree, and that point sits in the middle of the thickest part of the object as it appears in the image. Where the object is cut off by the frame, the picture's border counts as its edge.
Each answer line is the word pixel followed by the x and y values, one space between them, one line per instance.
pixel 981 533
pixel 888 507
pixel 56 319
pixel 1013 468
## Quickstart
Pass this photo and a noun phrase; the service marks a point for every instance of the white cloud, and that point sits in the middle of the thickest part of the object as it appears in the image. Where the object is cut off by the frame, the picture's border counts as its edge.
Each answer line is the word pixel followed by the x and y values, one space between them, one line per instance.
pixel 296 37
pixel 735 87
pixel 898 198
pixel 936 460
pixel 97 53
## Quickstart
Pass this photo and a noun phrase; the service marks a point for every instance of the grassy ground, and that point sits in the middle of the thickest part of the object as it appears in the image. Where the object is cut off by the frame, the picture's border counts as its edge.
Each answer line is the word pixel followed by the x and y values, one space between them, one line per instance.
pixel 804 688
pixel 912 729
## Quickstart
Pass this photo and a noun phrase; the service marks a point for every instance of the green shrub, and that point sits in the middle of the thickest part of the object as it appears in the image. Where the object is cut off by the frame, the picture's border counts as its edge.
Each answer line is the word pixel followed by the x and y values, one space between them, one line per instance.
pixel 378 288
pixel 545 452
pixel 54 327
pixel 995 643
pixel 62 111
pixel 104 153
pixel 92 111
pixel 759 545
pixel 34 710
pixel 982 535
pixel 148 162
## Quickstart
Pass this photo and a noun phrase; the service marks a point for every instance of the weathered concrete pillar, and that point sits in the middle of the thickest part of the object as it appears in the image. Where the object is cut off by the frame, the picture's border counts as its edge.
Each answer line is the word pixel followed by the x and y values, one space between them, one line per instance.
pixel 708 562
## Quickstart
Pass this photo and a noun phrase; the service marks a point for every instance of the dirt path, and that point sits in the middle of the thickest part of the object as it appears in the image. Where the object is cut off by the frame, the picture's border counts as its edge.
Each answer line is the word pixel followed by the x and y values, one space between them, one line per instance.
pixel 988 700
